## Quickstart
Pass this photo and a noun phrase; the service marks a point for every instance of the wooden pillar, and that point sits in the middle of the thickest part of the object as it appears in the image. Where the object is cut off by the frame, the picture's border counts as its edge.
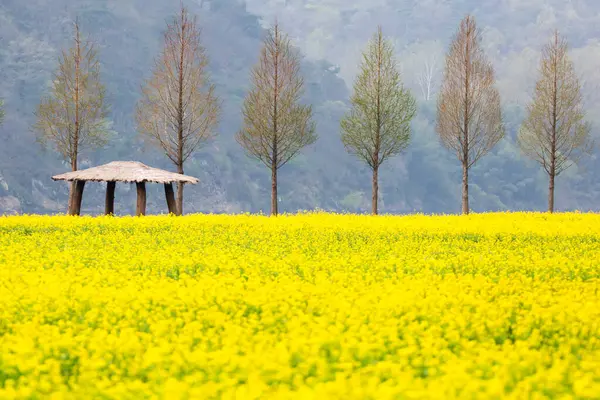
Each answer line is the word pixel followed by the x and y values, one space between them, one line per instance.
pixel 170 198
pixel 141 199
pixel 77 198
pixel 109 207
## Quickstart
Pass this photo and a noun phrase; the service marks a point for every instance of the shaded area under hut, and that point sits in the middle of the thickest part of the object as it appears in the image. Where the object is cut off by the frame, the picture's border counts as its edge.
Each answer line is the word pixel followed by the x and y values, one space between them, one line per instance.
pixel 128 172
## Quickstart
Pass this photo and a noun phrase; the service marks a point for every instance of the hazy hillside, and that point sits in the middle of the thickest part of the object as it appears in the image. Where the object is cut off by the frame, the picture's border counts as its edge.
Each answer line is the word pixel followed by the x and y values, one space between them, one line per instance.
pixel 515 30
pixel 331 33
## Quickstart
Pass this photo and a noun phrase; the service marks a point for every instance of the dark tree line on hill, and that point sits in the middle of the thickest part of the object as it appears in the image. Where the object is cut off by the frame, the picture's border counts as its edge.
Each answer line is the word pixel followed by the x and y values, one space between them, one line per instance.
pixel 179 111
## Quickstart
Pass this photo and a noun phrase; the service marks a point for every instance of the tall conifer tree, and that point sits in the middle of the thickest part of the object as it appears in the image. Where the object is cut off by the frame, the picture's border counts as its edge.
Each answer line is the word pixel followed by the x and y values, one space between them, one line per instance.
pixel 378 124
pixel 555 133
pixel 276 126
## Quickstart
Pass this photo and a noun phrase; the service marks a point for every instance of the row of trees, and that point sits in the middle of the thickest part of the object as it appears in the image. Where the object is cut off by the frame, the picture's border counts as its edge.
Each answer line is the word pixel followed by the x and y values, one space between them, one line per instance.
pixel 179 111
pixel 469 115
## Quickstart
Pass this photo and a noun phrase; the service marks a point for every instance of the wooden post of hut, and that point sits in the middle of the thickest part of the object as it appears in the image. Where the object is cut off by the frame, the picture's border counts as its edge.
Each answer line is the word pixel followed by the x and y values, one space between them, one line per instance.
pixel 140 208
pixel 170 195
pixel 109 207
pixel 124 171
pixel 77 197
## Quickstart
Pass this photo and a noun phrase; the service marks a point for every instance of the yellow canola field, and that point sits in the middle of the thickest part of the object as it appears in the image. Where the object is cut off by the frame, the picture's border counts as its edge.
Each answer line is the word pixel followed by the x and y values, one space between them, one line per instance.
pixel 313 306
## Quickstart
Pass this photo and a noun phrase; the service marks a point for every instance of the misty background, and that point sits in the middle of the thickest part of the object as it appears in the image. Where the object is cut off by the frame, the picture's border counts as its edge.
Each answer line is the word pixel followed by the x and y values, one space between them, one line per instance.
pixel 331 34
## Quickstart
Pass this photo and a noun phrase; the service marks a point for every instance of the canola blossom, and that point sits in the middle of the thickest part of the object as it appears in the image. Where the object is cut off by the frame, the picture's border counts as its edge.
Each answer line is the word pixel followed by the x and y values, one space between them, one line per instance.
pixel 311 306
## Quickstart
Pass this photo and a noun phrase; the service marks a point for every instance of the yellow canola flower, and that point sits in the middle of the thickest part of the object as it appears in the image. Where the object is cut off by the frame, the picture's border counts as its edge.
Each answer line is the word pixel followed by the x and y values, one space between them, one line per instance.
pixel 308 306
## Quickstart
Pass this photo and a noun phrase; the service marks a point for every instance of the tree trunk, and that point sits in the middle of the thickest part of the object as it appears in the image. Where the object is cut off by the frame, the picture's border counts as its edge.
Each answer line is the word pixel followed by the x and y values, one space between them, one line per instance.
pixel 375 188
pixel 170 198
pixel 551 194
pixel 109 207
pixel 72 188
pixel 141 199
pixel 73 200
pixel 179 210
pixel 275 154
pixel 375 194
pixel 180 111
pixel 465 189
pixel 554 128
pixel 466 119
pixel 274 210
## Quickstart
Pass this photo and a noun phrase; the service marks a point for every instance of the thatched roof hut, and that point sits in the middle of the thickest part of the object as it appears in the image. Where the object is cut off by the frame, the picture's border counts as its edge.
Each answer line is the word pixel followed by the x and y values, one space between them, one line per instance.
pixel 124 171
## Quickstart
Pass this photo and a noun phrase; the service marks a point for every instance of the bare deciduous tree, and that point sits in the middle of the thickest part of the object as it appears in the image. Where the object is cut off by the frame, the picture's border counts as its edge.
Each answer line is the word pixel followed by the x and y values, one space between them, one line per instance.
pixel 554 133
pixel 469 112
pixel 179 110
pixel 378 124
pixel 74 116
pixel 276 127
pixel 427 78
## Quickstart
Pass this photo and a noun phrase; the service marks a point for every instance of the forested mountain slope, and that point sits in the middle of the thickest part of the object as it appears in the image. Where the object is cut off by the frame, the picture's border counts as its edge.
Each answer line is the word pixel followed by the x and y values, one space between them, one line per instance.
pixel 331 33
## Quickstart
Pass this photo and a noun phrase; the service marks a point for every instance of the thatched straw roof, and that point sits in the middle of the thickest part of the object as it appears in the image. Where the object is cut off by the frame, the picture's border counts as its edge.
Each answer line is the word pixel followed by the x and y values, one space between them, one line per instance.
pixel 125 171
